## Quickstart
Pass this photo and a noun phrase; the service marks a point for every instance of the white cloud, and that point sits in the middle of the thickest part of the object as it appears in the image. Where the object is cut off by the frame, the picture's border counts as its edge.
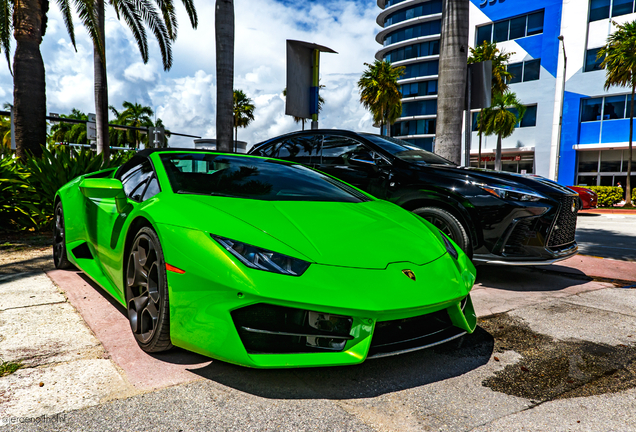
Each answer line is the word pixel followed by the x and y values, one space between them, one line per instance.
pixel 184 97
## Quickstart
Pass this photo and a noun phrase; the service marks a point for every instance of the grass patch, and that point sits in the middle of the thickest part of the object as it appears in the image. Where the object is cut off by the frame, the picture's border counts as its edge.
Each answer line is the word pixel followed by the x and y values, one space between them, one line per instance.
pixel 7 368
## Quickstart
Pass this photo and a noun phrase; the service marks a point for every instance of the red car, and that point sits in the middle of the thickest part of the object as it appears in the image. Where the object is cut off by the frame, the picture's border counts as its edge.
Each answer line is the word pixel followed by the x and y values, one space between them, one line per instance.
pixel 587 197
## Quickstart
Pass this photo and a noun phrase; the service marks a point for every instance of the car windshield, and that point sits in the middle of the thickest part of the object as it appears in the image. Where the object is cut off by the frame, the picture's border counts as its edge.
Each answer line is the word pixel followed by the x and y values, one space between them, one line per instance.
pixel 405 151
pixel 254 178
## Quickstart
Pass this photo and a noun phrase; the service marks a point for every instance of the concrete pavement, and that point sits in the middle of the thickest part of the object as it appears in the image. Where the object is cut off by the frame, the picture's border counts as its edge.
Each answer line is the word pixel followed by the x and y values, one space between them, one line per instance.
pixel 607 235
pixel 533 321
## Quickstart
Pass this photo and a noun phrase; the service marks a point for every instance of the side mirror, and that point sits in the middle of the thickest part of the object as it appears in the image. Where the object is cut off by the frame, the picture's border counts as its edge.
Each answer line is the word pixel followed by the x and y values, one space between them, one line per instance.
pixel 362 158
pixel 105 188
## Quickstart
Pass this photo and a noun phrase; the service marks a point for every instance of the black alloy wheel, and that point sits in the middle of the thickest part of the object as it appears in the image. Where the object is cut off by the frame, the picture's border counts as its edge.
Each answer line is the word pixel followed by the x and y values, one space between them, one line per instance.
pixel 60 259
pixel 147 293
pixel 448 224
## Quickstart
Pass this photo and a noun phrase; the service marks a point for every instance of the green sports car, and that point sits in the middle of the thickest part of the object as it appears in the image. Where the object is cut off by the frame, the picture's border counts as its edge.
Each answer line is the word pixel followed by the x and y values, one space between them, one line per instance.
pixel 261 262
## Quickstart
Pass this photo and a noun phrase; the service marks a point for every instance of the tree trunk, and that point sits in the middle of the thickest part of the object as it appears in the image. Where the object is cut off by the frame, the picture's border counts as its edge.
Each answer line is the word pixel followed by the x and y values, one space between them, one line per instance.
pixel 452 79
pixel 101 86
pixel 29 86
pixel 235 139
pixel 628 183
pixel 479 157
pixel 498 154
pixel 224 33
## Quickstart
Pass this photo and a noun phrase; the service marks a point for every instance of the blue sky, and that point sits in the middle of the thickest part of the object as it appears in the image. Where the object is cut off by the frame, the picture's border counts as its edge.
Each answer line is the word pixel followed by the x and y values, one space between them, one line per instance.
pixel 184 97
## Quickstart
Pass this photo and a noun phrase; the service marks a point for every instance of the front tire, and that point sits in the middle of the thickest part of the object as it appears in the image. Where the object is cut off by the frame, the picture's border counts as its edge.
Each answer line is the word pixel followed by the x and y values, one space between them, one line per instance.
pixel 60 257
pixel 147 293
pixel 448 224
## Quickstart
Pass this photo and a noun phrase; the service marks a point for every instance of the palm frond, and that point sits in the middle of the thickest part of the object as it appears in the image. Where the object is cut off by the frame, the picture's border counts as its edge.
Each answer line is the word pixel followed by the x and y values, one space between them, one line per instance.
pixel 192 12
pixel 152 19
pixel 127 9
pixel 6 29
pixel 65 8
pixel 86 12
pixel 169 17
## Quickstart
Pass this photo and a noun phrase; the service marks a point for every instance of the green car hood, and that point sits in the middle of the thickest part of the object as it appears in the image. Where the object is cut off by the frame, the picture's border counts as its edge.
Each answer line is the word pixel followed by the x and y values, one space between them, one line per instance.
pixel 362 235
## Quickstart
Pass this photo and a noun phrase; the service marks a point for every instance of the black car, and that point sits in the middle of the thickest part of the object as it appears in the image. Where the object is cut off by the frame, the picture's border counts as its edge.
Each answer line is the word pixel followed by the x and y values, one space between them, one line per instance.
pixel 496 217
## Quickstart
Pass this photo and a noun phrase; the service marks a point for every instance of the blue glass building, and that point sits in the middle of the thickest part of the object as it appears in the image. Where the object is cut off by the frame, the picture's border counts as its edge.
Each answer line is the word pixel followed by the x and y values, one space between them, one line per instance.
pixel 593 146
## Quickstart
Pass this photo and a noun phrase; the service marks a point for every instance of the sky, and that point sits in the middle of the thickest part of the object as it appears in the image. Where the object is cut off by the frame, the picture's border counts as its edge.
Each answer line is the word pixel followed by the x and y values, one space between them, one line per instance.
pixel 185 97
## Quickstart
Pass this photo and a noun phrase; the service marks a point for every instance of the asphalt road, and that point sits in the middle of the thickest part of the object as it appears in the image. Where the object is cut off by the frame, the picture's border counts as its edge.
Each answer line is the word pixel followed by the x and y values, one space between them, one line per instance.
pixel 607 236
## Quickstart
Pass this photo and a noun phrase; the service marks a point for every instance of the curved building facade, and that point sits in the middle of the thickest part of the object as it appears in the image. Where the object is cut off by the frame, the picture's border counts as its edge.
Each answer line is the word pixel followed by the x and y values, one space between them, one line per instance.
pixel 410 37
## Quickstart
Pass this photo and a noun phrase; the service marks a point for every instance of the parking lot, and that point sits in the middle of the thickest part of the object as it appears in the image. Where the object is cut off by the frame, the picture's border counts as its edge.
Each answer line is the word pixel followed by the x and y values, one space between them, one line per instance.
pixel 555 349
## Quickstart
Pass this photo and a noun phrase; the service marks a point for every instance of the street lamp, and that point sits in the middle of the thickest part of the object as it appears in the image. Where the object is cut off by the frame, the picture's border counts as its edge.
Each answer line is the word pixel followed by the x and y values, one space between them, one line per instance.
pixel 558 142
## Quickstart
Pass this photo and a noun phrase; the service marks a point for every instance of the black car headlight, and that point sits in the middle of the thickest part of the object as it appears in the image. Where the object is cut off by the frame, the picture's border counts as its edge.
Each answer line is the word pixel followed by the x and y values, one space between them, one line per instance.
pixel 511 193
pixel 449 246
pixel 263 259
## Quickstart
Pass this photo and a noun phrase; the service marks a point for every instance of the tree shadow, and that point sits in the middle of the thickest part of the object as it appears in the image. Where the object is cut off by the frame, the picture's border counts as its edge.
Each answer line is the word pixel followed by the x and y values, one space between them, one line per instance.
pixel 606 244
pixel 521 278
pixel 369 379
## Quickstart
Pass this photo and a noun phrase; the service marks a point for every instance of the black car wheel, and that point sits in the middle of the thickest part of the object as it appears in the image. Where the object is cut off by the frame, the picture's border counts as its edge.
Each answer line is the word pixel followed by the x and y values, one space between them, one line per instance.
pixel 448 224
pixel 147 293
pixel 60 259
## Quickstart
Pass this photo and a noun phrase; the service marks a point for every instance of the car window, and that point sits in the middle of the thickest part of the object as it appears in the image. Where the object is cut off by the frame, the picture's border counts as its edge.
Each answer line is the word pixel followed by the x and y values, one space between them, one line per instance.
pixel 406 151
pixel 267 150
pixel 253 178
pixel 303 149
pixel 135 180
pixel 152 189
pixel 337 150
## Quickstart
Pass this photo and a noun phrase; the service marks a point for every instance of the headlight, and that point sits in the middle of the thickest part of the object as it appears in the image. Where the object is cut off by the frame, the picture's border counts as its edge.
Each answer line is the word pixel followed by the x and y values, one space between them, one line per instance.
pixel 263 259
pixel 449 246
pixel 511 193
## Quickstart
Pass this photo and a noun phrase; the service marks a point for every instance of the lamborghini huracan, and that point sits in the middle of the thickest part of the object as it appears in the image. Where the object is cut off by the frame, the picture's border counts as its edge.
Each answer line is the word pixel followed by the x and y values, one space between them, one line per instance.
pixel 261 262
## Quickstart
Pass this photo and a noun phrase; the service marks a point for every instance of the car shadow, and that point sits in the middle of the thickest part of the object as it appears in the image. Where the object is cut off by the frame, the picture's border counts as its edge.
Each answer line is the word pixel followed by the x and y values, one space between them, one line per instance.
pixel 372 378
pixel 589 214
pixel 521 278
pixel 606 244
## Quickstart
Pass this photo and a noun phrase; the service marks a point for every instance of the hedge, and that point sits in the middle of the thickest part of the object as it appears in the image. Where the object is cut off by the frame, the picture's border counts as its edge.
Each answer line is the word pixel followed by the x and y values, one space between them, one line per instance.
pixel 607 195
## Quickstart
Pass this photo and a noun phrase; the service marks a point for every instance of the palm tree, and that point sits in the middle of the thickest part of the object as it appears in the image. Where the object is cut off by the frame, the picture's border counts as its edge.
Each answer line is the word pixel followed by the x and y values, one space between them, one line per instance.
pixel 619 62
pixel 70 132
pixel 224 35
pixel 380 92
pixel 135 115
pixel 242 113
pixel 452 79
pixel 27 20
pixel 500 75
pixel 501 119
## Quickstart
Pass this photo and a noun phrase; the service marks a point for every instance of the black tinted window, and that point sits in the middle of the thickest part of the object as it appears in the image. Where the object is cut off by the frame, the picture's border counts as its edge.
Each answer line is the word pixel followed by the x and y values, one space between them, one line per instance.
pixel 135 180
pixel 405 151
pixel 152 189
pixel 266 150
pixel 253 178
pixel 336 150
pixel 303 149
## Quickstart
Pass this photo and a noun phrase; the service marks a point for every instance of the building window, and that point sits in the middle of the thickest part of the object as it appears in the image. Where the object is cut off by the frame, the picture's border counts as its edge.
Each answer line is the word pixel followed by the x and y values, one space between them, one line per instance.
pixel 427 107
pixel 515 28
pixel 424 88
pixel 423 143
pixel 421 69
pixel 530 117
pixel 599 9
pixel 414 127
pixel 390 3
pixel 622 7
pixel 414 31
pixel 605 108
pixel 588 161
pixel 524 71
pixel 428 8
pixel 413 51
pixel 591 62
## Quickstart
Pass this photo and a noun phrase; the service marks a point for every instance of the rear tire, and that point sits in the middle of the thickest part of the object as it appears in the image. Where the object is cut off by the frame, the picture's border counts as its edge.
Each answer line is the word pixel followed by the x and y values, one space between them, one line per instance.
pixel 448 224
pixel 60 257
pixel 147 292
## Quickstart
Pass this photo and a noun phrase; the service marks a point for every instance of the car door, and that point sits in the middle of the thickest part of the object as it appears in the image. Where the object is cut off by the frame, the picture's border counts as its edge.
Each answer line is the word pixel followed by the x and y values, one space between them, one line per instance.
pixel 140 183
pixel 355 163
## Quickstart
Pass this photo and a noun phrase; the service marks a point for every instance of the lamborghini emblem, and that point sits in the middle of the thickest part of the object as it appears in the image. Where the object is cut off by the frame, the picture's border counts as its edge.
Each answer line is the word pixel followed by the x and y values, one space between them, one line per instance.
pixel 409 274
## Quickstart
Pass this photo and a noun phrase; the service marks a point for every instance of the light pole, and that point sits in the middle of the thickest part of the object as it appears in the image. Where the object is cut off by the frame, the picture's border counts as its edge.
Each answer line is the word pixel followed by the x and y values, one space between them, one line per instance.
pixel 558 143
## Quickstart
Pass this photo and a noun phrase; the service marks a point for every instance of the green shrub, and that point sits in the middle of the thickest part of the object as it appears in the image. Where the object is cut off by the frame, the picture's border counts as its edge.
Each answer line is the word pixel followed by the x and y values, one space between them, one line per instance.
pixel 607 195
pixel 28 189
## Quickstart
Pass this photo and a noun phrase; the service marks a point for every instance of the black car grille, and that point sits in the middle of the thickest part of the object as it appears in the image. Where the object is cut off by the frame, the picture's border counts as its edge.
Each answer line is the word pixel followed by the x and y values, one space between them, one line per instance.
pixel 270 329
pixel 519 237
pixel 393 337
pixel 563 229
